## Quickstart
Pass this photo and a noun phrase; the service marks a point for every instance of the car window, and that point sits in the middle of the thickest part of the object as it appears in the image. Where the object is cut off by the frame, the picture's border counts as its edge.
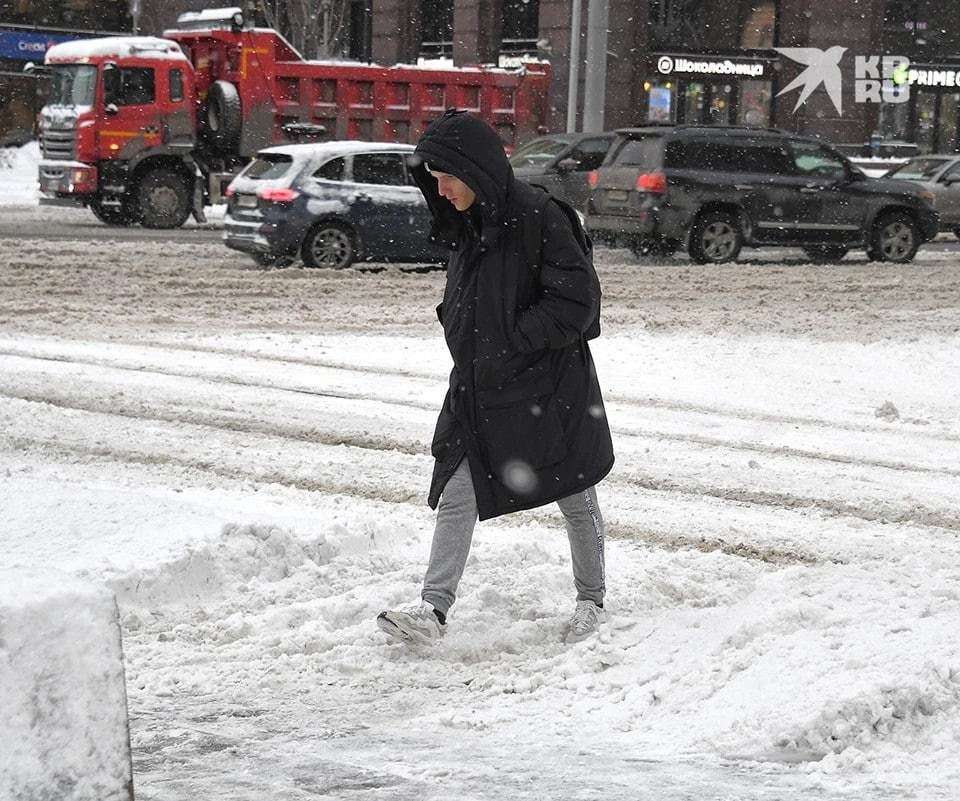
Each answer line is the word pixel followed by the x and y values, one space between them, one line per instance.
pixel 812 159
pixel 268 166
pixel 537 152
pixel 331 170
pixel 918 170
pixel 379 168
pixel 953 174
pixel 637 152
pixel 729 155
pixel 590 153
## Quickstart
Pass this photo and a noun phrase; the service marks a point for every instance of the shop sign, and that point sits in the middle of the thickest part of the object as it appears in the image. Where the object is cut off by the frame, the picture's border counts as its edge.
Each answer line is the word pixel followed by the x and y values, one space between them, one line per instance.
pixel 707 66
pixel 25 46
pixel 934 77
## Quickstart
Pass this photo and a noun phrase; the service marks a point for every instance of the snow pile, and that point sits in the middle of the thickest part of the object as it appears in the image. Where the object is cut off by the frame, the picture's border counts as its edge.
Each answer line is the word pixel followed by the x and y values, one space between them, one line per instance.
pixel 18 174
pixel 63 699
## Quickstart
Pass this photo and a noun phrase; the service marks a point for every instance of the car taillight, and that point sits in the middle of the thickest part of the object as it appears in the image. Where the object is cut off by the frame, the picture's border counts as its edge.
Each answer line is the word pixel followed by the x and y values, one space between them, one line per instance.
pixel 655 182
pixel 277 195
pixel 593 179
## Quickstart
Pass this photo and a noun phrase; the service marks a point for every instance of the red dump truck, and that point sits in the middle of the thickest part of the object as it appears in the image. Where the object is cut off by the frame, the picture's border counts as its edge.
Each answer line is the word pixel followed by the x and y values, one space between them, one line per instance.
pixel 149 130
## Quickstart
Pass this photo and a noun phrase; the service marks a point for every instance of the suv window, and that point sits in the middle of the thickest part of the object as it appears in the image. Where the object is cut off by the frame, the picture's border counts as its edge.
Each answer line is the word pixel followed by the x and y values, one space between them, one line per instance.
pixel 331 170
pixel 379 168
pixel 590 153
pixel 741 156
pixel 640 152
pixel 268 166
pixel 812 159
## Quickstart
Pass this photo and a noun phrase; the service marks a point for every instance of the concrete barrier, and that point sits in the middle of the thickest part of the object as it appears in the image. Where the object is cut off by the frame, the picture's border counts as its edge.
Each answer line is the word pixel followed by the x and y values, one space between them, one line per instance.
pixel 64 732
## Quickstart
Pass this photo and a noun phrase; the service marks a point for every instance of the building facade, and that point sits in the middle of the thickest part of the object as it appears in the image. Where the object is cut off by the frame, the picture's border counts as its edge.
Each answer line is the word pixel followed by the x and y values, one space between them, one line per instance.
pixel 887 69
pixel 849 71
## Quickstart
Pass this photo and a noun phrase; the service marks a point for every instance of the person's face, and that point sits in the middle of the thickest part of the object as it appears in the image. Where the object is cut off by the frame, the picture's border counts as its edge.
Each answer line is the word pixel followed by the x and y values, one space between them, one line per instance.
pixel 454 190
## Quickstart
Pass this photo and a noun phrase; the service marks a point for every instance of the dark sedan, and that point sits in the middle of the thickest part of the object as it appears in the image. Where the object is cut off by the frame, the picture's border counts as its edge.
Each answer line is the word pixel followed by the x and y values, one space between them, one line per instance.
pixel 330 204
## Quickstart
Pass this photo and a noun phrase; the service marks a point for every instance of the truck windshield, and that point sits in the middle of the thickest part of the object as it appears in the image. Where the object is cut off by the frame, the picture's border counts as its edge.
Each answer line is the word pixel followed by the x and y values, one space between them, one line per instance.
pixel 73 85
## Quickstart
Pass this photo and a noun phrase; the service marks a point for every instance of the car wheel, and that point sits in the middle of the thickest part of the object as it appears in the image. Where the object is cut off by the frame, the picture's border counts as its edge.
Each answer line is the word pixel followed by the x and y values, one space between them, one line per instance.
pixel 716 238
pixel 894 238
pixel 826 254
pixel 956 232
pixel 329 244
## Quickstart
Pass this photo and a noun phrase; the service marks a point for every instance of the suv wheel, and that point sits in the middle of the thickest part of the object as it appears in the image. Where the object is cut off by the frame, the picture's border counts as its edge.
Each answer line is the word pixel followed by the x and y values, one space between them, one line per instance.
pixel 894 238
pixel 825 254
pixel 716 238
pixel 329 244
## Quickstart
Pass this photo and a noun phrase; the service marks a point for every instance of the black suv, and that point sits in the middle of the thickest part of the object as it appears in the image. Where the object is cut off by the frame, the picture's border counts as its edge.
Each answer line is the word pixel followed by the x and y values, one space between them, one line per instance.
pixel 714 189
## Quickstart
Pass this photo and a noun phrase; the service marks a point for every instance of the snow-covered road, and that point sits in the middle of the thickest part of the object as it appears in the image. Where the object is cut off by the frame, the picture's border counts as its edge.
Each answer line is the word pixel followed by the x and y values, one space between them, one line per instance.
pixel 242 456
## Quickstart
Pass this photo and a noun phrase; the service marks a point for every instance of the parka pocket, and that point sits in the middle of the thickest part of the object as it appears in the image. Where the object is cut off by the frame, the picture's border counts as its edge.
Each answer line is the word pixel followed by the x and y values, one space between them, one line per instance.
pixel 521 431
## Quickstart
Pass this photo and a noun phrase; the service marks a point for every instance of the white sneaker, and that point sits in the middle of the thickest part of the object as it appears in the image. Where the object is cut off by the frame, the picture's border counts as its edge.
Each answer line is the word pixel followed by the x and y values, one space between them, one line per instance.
pixel 585 622
pixel 416 623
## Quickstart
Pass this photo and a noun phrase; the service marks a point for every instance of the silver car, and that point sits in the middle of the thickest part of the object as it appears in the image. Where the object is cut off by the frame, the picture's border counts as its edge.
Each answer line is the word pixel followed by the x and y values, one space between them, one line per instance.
pixel 562 162
pixel 940 174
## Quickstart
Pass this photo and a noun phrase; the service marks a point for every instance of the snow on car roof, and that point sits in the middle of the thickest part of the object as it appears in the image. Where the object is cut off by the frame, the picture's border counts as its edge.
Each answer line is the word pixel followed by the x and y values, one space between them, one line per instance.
pixel 114 46
pixel 335 147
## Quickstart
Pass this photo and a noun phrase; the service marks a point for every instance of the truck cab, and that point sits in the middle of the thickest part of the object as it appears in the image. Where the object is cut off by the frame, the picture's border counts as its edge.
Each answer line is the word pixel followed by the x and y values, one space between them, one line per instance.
pixel 119 128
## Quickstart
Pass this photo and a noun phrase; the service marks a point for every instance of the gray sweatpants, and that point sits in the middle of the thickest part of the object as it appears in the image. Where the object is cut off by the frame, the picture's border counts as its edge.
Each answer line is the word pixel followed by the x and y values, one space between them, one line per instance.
pixel 457 518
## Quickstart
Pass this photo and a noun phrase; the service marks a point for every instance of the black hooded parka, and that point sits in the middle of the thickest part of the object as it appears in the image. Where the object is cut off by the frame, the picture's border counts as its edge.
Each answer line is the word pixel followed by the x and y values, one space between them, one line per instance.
pixel 524 404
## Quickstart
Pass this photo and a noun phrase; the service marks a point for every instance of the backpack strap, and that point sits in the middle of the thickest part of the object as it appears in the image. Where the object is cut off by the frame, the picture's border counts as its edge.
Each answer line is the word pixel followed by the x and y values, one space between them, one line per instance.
pixel 533 236
pixel 533 230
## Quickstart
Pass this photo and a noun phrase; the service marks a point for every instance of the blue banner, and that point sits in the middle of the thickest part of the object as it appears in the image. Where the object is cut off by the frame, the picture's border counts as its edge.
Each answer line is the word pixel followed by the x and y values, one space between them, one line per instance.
pixel 29 46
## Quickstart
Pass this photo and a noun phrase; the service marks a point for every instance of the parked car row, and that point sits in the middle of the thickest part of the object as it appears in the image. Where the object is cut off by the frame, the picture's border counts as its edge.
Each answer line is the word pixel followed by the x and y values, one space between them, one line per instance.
pixel 711 190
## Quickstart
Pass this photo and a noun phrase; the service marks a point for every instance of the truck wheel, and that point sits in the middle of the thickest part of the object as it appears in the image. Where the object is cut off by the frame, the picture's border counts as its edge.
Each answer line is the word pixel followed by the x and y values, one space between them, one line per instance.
pixel 716 238
pixel 329 244
pixel 165 199
pixel 117 216
pixel 894 238
pixel 222 117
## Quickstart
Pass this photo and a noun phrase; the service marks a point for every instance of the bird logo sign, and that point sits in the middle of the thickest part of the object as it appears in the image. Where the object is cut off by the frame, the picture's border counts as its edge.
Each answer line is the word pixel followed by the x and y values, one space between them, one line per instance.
pixel 876 79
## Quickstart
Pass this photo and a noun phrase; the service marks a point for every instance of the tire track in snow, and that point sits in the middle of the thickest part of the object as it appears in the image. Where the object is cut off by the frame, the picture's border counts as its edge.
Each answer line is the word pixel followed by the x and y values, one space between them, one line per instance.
pixel 389 441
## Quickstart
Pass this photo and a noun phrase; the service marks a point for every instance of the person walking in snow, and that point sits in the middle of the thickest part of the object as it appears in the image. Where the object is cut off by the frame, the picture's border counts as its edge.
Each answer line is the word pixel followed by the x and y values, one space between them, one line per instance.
pixel 523 422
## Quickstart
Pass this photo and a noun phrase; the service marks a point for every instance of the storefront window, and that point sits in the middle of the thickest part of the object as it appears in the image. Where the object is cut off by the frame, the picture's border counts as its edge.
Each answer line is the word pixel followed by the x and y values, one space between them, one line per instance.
pixel 754 106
